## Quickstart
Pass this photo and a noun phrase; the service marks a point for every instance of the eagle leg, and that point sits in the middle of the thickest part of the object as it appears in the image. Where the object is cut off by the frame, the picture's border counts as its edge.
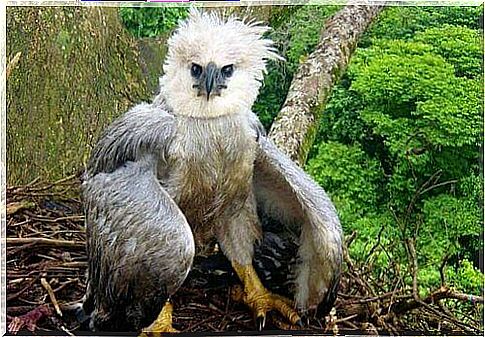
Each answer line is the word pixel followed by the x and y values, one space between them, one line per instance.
pixel 259 299
pixel 163 323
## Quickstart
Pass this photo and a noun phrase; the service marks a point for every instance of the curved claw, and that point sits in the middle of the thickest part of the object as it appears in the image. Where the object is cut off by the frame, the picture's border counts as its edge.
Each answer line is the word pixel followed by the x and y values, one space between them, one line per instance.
pixel 260 300
pixel 261 322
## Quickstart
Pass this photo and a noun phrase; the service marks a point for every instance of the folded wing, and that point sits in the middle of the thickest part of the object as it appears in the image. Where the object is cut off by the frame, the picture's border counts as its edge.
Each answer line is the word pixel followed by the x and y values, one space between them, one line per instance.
pixel 139 244
pixel 144 129
pixel 286 195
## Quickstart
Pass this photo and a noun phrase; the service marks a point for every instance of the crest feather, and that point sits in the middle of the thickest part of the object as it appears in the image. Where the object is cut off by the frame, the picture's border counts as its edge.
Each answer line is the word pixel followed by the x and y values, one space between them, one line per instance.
pixel 210 35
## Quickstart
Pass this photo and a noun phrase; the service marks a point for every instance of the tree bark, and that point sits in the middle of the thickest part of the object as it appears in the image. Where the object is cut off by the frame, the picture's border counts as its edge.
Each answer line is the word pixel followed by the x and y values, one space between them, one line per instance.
pixel 72 71
pixel 294 129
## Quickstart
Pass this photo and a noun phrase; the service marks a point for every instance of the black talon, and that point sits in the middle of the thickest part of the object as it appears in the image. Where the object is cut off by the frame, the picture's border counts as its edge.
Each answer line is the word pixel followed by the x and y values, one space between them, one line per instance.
pixel 260 322
pixel 307 320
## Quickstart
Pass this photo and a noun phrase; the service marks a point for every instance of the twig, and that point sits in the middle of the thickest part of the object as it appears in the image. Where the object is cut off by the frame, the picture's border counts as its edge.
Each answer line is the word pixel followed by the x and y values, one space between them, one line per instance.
pixel 65 284
pixel 52 296
pixel 438 185
pixel 18 293
pixel 74 218
pixel 434 177
pixel 350 325
pixel 46 242
pixel 374 247
pixel 48 186
pixel 196 324
pixel 441 293
pixel 414 266
pixel 348 318
pixel 377 298
pixel 349 239
pixel 442 269
pixel 445 292
pixel 14 207
pixel 366 288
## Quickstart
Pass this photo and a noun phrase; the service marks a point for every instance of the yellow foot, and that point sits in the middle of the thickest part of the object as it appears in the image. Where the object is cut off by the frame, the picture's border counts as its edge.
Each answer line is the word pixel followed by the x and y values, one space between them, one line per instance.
pixel 259 299
pixel 162 324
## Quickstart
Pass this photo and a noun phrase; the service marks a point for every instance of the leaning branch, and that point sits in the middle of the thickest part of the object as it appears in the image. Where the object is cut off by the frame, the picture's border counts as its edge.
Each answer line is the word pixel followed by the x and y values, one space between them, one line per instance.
pixel 293 131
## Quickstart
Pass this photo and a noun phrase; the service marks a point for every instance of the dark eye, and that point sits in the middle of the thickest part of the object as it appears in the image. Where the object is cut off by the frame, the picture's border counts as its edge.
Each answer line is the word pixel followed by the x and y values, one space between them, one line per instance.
pixel 227 70
pixel 195 70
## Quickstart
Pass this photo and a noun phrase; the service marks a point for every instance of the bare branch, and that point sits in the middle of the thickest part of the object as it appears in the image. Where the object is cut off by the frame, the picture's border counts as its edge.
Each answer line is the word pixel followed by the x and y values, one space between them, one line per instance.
pixel 46 242
pixel 293 131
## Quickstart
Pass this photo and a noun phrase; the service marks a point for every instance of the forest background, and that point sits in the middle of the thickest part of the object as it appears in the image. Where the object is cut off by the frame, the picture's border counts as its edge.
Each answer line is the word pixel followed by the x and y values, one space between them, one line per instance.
pixel 399 147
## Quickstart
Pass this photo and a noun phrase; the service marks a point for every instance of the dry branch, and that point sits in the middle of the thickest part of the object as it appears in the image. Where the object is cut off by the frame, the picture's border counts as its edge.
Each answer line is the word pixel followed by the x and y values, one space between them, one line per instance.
pixel 436 296
pixel 52 296
pixel 46 242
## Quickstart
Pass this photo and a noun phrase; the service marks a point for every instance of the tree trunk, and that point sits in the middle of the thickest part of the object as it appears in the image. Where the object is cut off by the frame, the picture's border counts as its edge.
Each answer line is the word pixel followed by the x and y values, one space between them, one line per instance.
pixel 294 129
pixel 78 69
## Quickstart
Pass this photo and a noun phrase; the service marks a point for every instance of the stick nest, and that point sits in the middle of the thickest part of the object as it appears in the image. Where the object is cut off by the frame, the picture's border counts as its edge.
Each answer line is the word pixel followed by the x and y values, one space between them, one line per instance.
pixel 46 267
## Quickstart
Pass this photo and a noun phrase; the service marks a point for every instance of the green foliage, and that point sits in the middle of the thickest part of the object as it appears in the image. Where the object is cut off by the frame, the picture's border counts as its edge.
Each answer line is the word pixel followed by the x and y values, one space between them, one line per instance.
pixel 447 219
pixel 342 121
pixel 399 144
pixel 350 174
pixel 461 47
pixel 466 277
pixel 303 32
pixel 151 21
pixel 402 22
pixel 418 93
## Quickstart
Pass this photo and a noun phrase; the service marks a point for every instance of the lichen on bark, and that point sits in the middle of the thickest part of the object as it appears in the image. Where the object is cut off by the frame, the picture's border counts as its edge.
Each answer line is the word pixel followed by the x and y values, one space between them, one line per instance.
pixel 293 129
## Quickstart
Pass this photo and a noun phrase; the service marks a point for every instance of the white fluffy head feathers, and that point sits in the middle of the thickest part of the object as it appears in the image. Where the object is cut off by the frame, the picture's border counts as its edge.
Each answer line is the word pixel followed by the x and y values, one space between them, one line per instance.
pixel 205 38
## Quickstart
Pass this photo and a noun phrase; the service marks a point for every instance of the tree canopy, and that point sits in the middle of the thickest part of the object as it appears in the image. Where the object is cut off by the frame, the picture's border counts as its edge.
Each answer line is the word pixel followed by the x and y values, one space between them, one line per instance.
pixel 400 146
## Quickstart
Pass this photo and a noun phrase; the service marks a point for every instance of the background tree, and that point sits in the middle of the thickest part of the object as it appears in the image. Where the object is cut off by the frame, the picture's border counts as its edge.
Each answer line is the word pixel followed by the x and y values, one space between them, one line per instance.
pixel 78 68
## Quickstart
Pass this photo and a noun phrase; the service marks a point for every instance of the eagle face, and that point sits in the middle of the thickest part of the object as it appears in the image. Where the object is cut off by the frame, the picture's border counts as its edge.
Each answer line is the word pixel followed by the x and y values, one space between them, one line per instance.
pixel 211 79
pixel 214 66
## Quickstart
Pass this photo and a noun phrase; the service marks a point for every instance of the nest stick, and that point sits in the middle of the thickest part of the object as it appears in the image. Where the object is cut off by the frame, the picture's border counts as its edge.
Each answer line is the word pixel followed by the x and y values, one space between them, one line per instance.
pixel 46 242
pixel 52 296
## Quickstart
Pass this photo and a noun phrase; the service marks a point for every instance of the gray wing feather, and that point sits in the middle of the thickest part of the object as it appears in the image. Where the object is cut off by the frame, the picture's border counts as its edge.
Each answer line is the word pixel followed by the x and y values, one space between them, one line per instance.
pixel 284 192
pixel 140 246
pixel 146 128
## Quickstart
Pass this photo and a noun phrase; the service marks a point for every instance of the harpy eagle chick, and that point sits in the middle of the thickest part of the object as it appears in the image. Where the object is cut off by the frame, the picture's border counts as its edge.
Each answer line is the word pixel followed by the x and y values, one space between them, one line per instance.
pixel 167 178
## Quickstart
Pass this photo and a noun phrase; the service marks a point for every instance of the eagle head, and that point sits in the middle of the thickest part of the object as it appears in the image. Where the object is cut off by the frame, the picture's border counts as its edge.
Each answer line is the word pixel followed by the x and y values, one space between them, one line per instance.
pixel 215 65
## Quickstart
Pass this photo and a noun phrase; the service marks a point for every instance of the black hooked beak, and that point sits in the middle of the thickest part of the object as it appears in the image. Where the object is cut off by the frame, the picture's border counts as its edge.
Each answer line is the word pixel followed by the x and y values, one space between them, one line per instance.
pixel 212 74
pixel 209 81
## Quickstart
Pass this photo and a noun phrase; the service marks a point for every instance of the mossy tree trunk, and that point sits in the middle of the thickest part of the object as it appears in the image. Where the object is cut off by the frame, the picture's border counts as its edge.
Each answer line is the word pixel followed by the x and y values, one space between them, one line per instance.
pixel 294 128
pixel 78 69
